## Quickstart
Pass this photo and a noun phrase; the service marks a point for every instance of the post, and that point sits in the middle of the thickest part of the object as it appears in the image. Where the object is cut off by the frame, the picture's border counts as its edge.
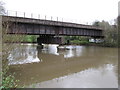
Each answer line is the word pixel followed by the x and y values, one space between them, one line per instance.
pixel 45 17
pixel 118 42
pixel 16 13
pixel 62 19
pixel 0 49
pixel 7 13
pixel 31 15
pixel 24 14
pixel 39 16
pixel 57 19
pixel 51 18
pixel 118 20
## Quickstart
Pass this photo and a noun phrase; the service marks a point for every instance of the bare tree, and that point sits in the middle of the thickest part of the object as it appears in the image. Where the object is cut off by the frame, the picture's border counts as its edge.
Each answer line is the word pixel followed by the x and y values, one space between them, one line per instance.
pixel 2 9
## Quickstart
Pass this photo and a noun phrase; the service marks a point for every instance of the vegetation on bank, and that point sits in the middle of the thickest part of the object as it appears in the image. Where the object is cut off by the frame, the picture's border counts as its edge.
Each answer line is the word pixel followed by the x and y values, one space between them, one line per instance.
pixel 118 21
pixel 110 33
pixel 78 40
pixel 8 80
pixel 21 38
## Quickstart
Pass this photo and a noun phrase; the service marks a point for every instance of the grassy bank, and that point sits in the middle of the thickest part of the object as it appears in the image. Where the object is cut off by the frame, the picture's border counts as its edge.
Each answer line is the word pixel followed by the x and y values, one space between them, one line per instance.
pixel 78 42
pixel 21 38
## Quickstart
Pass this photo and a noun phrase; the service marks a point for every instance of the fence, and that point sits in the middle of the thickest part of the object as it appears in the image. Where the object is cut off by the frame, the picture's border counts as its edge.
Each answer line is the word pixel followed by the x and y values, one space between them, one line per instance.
pixel 40 16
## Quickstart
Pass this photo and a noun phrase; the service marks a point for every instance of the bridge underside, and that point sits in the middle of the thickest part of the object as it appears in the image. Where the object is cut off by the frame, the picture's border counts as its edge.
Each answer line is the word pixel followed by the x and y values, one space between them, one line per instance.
pixel 36 29
pixel 47 39
pixel 47 33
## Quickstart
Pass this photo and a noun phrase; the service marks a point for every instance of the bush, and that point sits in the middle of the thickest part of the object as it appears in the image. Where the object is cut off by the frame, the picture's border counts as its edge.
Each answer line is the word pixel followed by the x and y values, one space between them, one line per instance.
pixel 8 81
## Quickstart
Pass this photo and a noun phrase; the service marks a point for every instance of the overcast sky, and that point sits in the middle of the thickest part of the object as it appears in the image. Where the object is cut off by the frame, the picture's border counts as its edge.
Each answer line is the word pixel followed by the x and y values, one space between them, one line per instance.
pixel 81 11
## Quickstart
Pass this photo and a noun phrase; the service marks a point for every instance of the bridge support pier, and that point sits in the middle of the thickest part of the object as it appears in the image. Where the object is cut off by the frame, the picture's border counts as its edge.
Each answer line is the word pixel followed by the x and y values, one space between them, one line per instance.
pixel 47 39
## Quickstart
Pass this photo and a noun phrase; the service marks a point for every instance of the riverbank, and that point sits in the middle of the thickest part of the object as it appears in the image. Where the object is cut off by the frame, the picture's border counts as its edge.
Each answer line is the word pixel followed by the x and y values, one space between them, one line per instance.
pixel 81 44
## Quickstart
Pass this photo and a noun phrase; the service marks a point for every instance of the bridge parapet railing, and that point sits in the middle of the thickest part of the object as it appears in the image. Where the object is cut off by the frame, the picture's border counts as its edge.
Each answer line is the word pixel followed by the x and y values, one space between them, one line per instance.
pixel 40 16
pixel 35 16
pixel 50 18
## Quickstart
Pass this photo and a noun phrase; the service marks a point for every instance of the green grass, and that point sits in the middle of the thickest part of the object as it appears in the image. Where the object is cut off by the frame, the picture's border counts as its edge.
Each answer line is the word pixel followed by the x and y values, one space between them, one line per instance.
pixel 78 42
pixel 20 38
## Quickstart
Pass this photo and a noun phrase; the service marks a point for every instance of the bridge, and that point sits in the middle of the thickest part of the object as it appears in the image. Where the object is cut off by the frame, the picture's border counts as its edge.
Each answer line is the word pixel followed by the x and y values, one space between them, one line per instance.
pixel 49 31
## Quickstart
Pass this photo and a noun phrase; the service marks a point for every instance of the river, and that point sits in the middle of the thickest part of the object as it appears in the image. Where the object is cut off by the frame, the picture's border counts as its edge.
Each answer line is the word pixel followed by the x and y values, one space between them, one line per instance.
pixel 78 67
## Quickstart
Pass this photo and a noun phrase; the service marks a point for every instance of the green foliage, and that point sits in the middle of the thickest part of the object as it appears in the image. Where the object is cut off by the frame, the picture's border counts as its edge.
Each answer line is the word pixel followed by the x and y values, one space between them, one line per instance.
pixel 30 38
pixel 118 22
pixel 21 38
pixel 96 23
pixel 110 33
pixel 8 80
pixel 79 42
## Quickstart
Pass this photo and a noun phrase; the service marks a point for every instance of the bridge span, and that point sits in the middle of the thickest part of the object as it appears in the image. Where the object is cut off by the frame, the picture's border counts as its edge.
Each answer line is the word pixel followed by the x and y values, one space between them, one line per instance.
pixel 48 29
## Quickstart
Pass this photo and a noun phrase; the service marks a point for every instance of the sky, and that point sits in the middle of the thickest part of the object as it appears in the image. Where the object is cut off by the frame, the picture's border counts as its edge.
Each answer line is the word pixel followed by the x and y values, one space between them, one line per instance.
pixel 78 11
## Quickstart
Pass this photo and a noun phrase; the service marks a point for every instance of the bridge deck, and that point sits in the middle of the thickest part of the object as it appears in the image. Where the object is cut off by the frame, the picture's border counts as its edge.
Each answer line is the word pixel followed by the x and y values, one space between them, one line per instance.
pixel 48 22
pixel 22 25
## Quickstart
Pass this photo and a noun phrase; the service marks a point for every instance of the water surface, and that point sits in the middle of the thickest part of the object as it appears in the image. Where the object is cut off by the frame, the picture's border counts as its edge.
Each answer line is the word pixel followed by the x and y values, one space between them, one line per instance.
pixel 78 67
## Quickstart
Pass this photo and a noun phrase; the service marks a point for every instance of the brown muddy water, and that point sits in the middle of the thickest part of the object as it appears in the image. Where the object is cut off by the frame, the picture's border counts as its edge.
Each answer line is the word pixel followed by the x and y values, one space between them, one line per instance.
pixel 78 67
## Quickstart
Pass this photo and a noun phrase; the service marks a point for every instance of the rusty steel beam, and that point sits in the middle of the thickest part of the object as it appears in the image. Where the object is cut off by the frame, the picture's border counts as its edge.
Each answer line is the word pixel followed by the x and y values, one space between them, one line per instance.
pixel 45 27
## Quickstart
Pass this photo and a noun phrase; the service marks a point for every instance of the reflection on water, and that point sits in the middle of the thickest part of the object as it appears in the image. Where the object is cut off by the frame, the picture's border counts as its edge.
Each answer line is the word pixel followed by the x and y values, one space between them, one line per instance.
pixel 23 54
pixel 75 52
pixel 51 49
pixel 85 79
pixel 80 66
pixel 29 53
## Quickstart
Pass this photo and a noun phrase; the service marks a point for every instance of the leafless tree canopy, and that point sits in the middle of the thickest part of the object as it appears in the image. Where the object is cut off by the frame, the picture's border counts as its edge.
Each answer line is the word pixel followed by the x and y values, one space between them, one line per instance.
pixel 2 9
